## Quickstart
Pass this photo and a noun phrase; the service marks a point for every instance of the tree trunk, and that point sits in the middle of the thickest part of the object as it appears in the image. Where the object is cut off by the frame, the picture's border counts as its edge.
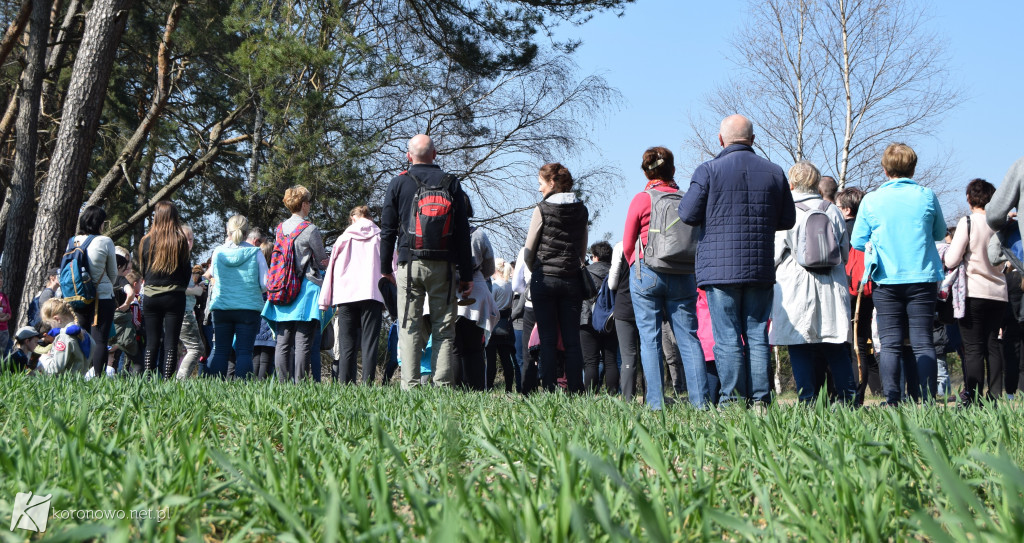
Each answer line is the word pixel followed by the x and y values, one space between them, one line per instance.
pixel 11 36
pixel 5 211
pixel 17 239
pixel 62 193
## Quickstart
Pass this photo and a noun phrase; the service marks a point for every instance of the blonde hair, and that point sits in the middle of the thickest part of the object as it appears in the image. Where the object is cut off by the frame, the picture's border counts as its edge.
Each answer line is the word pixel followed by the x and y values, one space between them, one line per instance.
pixel 295 197
pixel 268 249
pixel 237 226
pixel 54 308
pixel 899 160
pixel 805 177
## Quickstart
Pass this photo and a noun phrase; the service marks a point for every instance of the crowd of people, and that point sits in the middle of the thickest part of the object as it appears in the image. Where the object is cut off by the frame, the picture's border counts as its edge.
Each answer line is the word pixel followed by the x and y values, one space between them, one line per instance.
pixel 861 290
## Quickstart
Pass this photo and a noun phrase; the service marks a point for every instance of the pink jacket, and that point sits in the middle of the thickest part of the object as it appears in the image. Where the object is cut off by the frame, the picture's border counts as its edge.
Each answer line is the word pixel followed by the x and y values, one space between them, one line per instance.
pixel 707 339
pixel 354 269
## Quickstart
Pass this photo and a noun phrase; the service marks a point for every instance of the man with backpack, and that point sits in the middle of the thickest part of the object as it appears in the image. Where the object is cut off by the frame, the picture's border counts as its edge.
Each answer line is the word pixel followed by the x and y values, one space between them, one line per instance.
pixel 741 200
pixel 425 217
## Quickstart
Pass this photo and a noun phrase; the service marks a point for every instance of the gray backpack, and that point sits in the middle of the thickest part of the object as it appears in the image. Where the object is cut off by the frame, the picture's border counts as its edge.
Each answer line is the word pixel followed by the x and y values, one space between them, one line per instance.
pixel 817 248
pixel 671 243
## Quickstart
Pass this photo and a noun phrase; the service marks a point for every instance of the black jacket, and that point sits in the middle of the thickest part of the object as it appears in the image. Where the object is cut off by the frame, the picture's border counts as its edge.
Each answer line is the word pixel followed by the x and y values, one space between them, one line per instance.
pixel 397 214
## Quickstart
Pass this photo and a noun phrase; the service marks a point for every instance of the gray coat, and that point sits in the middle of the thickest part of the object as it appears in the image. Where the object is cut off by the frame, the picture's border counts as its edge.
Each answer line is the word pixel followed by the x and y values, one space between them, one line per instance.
pixel 1008 196
pixel 809 307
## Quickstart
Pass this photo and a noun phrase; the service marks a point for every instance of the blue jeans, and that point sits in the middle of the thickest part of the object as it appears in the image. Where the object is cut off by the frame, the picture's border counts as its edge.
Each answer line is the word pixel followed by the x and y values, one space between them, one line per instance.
pixel 908 307
pixel 236 326
pixel 658 297
pixel 557 303
pixel 738 313
pixel 805 359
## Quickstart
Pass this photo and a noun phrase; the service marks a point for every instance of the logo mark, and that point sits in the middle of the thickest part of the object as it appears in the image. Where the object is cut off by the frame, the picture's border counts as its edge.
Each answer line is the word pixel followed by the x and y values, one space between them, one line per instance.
pixel 31 511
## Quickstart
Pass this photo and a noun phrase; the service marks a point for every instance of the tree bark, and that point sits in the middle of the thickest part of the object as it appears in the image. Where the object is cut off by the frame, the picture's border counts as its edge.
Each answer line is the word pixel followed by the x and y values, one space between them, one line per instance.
pixel 5 211
pixel 13 31
pixel 17 239
pixel 132 149
pixel 62 193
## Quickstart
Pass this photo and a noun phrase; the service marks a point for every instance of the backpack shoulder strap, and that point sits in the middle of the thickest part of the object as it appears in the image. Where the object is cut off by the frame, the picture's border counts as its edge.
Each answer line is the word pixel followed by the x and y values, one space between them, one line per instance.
pixel 298 229
pixel 802 206
pixel 414 178
pixel 88 240
pixel 823 206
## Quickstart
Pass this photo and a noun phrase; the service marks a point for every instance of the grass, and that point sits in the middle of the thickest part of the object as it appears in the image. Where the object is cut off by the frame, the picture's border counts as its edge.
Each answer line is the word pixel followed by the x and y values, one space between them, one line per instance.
pixel 266 462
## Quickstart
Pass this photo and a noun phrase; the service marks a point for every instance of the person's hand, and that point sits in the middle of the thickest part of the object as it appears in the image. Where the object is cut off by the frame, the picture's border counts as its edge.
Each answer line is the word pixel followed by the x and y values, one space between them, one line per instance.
pixel 389 277
pixel 465 288
pixel 1012 215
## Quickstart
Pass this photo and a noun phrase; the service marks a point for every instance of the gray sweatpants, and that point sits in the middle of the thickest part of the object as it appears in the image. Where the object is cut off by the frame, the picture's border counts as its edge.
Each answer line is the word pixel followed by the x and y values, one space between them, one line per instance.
pixel 431 281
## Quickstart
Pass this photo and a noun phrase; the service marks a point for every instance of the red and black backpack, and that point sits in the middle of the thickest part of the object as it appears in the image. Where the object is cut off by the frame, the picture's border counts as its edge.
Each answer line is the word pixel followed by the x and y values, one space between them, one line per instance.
pixel 284 280
pixel 432 220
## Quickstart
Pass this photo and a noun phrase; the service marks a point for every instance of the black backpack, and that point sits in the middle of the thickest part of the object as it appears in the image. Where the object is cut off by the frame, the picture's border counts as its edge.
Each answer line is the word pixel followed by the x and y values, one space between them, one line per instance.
pixel 432 220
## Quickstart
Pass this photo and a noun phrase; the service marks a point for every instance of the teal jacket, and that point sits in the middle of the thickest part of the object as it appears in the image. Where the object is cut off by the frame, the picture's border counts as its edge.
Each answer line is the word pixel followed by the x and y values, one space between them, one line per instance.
pixel 902 221
pixel 237 282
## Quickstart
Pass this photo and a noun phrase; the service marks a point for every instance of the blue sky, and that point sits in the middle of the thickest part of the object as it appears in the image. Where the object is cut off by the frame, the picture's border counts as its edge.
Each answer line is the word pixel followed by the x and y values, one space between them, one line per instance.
pixel 664 55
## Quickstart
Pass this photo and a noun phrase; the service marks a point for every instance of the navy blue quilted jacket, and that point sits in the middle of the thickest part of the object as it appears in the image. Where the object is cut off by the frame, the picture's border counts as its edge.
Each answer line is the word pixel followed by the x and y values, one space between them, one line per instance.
pixel 741 199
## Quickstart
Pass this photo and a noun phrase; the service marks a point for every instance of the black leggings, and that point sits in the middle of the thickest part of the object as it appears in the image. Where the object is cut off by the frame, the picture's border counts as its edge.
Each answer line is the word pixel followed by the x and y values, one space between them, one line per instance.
pixel 600 348
pixel 162 315
pixel 629 339
pixel 263 361
pixel 100 332
pixel 469 354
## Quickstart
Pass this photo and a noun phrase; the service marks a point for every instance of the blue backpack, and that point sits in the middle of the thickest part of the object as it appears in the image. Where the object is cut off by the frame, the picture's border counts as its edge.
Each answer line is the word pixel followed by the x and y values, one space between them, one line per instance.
pixel 604 309
pixel 76 283
pixel 33 312
pixel 1013 248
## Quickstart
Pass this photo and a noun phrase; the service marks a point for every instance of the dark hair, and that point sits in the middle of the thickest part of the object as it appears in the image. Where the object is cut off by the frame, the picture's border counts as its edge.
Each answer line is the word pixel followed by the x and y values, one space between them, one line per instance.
pixel 557 174
pixel 850 198
pixel 91 221
pixel 658 163
pixel 602 251
pixel 827 187
pixel 979 192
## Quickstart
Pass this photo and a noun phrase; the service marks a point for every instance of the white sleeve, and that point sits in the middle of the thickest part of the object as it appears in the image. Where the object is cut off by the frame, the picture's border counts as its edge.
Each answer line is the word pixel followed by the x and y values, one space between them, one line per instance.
pixel 263 270
pixel 519 275
pixel 617 264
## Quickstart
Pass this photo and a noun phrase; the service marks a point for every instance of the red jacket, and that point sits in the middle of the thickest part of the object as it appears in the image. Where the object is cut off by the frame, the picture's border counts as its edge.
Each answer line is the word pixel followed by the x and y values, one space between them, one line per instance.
pixel 855 271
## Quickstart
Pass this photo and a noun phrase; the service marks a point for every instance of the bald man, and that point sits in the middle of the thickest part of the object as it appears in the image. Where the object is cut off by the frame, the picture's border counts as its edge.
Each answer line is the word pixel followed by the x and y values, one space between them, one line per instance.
pixel 741 200
pixel 427 260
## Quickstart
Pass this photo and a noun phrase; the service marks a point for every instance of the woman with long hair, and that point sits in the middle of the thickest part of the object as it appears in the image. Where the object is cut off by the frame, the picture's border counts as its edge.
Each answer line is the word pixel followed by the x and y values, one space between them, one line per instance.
pixel 555 253
pixel 164 263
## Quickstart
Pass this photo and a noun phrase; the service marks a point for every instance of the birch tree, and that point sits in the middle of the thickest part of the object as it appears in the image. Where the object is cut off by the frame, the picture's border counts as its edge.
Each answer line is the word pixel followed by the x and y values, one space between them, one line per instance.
pixel 835 81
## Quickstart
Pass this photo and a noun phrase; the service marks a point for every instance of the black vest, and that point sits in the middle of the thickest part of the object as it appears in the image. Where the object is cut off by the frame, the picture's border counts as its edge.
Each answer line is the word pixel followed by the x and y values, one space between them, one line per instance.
pixel 561 238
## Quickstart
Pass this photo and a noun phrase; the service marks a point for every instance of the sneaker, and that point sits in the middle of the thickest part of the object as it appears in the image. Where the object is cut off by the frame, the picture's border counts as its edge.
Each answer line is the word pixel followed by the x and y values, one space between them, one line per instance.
pixel 111 372
pixel 90 374
pixel 1009 397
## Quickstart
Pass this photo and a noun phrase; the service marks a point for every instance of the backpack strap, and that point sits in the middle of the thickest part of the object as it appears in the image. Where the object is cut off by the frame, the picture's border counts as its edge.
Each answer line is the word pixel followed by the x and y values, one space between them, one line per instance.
pixel 85 244
pixel 801 206
pixel 823 206
pixel 298 229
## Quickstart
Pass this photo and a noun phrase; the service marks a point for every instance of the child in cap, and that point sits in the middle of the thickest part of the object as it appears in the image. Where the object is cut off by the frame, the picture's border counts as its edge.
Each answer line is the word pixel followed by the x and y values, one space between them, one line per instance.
pixel 24 358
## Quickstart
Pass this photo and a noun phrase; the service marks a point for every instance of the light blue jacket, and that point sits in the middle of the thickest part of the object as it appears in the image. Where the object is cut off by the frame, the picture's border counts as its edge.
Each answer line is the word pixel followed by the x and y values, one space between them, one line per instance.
pixel 237 282
pixel 902 221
